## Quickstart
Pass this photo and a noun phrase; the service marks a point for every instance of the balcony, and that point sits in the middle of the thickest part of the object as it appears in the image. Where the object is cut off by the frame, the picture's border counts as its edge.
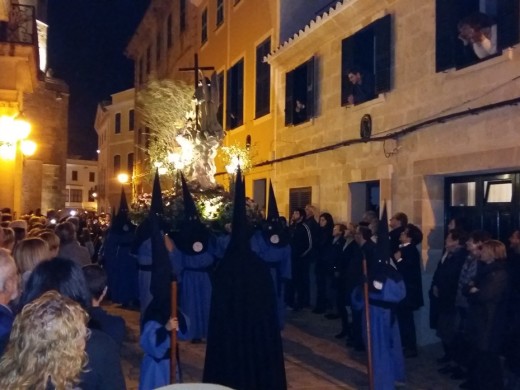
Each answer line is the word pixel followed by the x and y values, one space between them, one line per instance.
pixel 19 56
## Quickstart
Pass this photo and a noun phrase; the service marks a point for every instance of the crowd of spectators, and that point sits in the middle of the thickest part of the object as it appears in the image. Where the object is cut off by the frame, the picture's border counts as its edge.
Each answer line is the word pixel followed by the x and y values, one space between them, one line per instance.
pixel 474 295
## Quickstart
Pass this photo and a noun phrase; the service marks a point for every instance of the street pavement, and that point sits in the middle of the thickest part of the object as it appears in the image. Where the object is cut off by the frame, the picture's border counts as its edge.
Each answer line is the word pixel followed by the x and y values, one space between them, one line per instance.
pixel 314 359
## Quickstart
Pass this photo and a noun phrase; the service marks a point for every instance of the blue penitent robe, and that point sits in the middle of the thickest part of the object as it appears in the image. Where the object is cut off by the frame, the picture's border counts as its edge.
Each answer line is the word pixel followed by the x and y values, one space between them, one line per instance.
pixel 195 289
pixel 155 367
pixel 279 261
pixel 121 267
pixel 387 354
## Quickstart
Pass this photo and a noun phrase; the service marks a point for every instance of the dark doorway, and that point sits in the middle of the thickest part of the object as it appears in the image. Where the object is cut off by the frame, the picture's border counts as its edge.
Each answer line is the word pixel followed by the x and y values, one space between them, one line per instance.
pixel 487 202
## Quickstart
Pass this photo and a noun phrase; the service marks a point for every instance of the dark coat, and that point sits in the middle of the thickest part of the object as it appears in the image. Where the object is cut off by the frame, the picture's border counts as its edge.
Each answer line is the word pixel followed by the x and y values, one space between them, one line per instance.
pixel 409 266
pixel 354 274
pixel 114 326
pixel 103 371
pixel 330 255
pixel 446 278
pixel 301 241
pixel 487 307
pixel 394 236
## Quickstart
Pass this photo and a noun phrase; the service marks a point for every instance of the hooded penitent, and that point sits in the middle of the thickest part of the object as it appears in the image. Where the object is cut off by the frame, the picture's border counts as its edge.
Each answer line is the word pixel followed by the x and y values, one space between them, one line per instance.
pixel 244 347
pixel 118 263
pixel 143 231
pixel 383 269
pixel 121 222
pixel 193 236
pixel 273 230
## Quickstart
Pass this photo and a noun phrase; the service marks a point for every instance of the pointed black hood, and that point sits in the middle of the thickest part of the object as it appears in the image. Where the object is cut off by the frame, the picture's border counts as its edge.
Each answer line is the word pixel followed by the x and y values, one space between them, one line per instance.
pixel 121 222
pixel 273 229
pixel 244 346
pixel 239 226
pixel 156 205
pixel 272 207
pixel 161 276
pixel 144 230
pixel 383 269
pixel 193 236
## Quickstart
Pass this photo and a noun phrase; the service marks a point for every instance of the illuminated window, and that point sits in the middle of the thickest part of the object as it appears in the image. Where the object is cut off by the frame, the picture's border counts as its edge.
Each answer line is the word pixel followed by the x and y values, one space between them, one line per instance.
pixel 463 194
pixel 75 195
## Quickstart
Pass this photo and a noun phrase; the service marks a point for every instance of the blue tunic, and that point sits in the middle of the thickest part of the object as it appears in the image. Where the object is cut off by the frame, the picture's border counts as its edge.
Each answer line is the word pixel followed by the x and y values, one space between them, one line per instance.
pixel 155 367
pixel 195 289
pixel 219 245
pixel 121 267
pixel 144 264
pixel 279 261
pixel 387 354
pixel 6 324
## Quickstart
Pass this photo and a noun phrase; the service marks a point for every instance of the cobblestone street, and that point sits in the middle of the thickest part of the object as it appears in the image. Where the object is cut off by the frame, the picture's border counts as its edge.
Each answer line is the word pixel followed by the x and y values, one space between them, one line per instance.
pixel 314 359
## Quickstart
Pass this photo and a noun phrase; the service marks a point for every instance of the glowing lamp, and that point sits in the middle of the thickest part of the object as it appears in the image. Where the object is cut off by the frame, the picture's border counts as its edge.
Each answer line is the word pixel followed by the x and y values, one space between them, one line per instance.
pixel 122 178
pixel 28 147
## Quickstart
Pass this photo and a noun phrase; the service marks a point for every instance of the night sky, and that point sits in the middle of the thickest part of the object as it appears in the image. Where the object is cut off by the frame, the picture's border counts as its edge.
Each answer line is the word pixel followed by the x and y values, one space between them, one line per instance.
pixel 86 42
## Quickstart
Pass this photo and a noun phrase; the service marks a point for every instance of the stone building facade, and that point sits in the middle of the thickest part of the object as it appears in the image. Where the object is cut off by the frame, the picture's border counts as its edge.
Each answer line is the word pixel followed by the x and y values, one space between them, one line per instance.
pixel 115 126
pixel 44 172
pixel 436 139
pixel 440 139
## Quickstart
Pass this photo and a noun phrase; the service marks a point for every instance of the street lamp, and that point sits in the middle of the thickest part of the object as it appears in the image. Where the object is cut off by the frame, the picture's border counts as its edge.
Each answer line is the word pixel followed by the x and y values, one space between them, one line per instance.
pixel 14 131
pixel 122 178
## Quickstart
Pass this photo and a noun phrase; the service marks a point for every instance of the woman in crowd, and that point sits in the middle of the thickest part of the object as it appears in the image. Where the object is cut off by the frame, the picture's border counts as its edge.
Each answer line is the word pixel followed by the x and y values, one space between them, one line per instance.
pixel 9 240
pixel 104 366
pixel 53 242
pixel 487 297
pixel 320 270
pixel 46 349
pixel 28 254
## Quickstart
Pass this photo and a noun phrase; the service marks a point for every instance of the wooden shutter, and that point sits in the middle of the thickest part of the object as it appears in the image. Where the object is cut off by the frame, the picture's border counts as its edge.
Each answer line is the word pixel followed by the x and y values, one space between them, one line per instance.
pixel 383 49
pixel 508 23
pixel 239 112
pixel 289 105
pixel 311 96
pixel 299 198
pixel 347 61
pixel 445 34
pixel 229 101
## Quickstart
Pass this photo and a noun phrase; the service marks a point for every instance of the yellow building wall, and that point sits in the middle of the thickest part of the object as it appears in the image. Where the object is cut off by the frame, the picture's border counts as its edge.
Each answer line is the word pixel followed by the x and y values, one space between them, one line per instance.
pixel 245 26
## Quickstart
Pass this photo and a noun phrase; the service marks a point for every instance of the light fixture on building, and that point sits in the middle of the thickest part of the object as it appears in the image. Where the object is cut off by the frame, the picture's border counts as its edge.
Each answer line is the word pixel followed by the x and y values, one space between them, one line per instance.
pixel 13 132
pixel 122 178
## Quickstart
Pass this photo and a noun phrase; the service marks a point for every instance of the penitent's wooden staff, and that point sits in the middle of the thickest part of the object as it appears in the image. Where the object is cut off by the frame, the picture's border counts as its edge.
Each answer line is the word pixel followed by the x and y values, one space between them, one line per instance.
pixel 173 337
pixel 367 321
